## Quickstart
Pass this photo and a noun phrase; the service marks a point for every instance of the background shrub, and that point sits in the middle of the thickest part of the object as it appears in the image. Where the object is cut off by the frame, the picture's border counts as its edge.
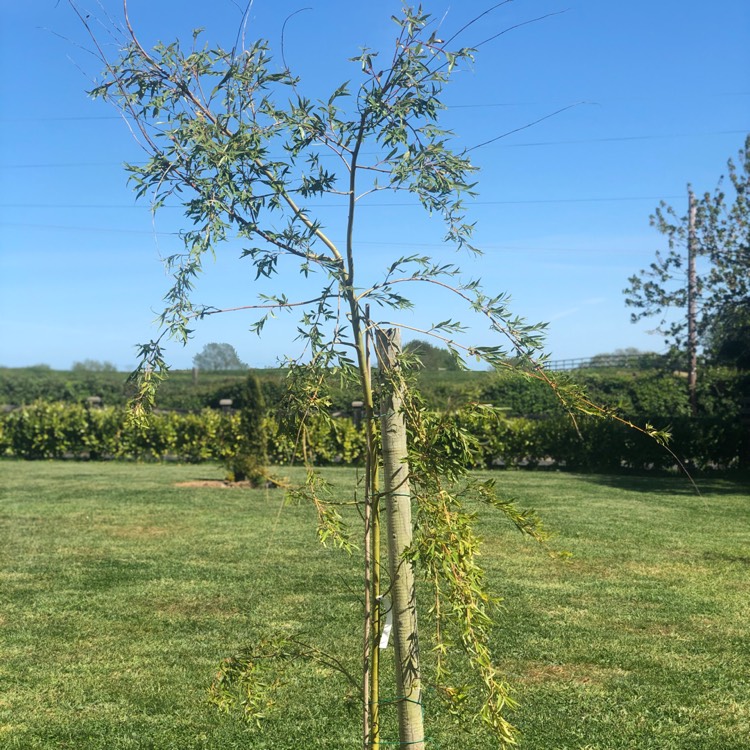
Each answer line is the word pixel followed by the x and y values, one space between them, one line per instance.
pixel 534 431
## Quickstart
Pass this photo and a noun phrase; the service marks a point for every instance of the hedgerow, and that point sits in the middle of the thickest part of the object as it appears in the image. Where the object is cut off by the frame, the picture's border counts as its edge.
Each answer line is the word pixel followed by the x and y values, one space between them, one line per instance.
pixel 649 393
pixel 57 430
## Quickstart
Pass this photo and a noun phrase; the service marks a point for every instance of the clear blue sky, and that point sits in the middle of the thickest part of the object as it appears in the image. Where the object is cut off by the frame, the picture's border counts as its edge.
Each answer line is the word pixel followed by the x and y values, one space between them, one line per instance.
pixel 563 211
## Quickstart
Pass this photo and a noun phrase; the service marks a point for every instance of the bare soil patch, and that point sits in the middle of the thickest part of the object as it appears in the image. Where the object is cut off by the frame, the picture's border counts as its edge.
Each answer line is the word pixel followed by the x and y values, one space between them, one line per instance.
pixel 218 483
pixel 226 484
pixel 583 674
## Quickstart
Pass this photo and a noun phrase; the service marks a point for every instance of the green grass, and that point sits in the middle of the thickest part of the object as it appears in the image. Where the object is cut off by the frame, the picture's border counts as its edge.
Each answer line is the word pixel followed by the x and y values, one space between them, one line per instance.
pixel 120 593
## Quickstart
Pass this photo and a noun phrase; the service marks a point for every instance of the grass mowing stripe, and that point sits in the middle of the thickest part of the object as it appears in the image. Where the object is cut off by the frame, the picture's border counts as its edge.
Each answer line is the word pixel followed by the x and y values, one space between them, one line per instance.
pixel 120 592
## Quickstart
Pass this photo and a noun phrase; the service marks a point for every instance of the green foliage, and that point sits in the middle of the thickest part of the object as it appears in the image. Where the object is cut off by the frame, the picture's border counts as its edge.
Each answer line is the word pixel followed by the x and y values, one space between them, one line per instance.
pixel 25 385
pixel 204 436
pixel 446 548
pixel 248 463
pixel 225 115
pixel 218 357
pixel 643 394
pixel 50 429
pixel 331 527
pixel 722 228
pixel 728 336
pixel 521 396
pixel 45 433
pixel 629 357
pixel 712 440
pixel 54 430
pixel 431 357
pixel 247 683
pixel 646 393
pixel 93 365
pixel 722 392
pixel 184 390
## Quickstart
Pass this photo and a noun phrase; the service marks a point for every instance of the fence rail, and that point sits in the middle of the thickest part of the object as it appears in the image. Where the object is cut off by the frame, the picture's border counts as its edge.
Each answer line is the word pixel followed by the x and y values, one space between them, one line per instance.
pixel 608 360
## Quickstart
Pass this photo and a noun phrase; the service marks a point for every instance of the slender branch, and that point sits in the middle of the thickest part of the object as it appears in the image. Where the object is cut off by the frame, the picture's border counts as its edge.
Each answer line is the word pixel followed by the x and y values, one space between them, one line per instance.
pixel 518 26
pixel 270 306
pixel 283 31
pixel 353 200
pixel 475 20
pixel 127 106
pixel 524 127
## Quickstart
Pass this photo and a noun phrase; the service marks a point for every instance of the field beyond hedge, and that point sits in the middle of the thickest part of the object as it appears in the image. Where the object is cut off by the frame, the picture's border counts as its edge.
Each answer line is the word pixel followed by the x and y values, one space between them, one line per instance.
pixel 124 585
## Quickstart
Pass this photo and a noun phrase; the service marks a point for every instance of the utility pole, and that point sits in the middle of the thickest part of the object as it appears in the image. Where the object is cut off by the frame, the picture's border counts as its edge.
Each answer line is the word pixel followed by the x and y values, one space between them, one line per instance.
pixel 692 307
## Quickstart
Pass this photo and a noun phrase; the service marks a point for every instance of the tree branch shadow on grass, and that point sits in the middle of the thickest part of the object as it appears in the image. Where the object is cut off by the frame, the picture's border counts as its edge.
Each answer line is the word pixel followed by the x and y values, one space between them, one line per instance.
pixel 726 484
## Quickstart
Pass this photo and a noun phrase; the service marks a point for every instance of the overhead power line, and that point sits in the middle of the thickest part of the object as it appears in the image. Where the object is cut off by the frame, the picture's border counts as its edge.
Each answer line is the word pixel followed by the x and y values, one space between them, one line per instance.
pixel 364 205
pixel 487 247
pixel 743 131
pixel 577 141
pixel 104 230
pixel 67 164
pixel 468 105
pixel 606 100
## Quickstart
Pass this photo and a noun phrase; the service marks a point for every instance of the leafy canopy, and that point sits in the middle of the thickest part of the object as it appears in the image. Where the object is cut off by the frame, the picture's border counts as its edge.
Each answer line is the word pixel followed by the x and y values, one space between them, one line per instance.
pixel 722 227
pixel 431 357
pixel 231 136
pixel 93 365
pixel 218 357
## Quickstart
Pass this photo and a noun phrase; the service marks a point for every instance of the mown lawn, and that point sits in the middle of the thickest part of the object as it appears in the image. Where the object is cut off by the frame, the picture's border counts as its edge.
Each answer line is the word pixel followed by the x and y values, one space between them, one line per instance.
pixel 121 592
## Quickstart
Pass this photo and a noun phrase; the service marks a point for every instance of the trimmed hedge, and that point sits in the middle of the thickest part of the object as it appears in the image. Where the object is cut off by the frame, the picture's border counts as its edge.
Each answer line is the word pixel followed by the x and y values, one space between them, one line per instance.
pixel 655 393
pixel 56 430
pixel 43 430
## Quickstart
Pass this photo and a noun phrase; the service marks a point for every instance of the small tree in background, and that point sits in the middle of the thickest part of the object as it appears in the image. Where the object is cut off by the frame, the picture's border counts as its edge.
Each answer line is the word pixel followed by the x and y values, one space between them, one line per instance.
pixel 93 365
pixel 218 357
pixel 431 357
pixel 248 463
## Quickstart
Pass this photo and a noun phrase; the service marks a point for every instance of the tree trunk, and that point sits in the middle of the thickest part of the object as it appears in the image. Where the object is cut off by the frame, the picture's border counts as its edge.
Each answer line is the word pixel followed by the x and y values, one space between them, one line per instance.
pixel 398 512
pixel 692 309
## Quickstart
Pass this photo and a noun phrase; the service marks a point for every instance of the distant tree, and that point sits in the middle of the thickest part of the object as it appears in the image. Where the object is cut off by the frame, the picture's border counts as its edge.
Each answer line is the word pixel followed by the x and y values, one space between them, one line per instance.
pixel 722 234
pixel 712 239
pixel 93 365
pixel 432 357
pixel 218 357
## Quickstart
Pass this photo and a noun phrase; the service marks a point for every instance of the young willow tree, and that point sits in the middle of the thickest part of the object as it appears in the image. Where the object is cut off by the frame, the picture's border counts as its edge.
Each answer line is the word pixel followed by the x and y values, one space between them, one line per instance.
pixel 232 138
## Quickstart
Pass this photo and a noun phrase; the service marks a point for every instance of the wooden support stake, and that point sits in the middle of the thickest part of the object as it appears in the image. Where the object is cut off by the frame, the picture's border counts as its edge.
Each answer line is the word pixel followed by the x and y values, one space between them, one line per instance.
pixel 692 308
pixel 399 528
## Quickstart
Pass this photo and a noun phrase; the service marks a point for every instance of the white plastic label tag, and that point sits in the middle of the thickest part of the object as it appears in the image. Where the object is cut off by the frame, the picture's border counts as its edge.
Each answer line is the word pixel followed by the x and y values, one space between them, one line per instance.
pixel 385 636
